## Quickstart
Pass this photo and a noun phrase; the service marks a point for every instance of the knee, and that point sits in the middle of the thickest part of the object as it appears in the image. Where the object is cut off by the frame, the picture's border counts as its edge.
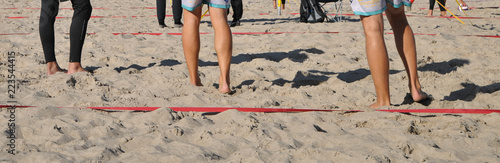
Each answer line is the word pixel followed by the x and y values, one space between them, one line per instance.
pixel 49 10
pixel 87 9
pixel 83 7
pixel 373 28
pixel 48 15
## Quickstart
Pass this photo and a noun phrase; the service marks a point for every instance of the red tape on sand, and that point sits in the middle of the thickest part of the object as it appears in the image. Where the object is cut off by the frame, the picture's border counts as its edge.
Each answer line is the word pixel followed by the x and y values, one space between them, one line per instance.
pixel 199 109
pixel 9 106
pixel 444 111
pixel 276 110
pixel 215 109
pixel 248 33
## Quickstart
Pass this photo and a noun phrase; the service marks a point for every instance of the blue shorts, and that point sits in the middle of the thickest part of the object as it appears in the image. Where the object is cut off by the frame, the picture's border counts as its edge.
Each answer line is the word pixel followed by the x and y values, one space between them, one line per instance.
pixel 374 7
pixel 190 5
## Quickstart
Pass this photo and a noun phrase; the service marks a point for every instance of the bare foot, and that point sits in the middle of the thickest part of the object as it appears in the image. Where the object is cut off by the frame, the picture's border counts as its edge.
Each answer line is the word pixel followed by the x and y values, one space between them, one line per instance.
pixel 443 14
pixel 224 86
pixel 418 96
pixel 429 13
pixel 53 67
pixel 274 2
pixel 283 6
pixel 75 67
pixel 196 82
pixel 379 104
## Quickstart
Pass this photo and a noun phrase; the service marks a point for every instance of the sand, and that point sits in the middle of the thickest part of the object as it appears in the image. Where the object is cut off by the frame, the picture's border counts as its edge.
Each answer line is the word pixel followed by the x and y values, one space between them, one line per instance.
pixel 277 63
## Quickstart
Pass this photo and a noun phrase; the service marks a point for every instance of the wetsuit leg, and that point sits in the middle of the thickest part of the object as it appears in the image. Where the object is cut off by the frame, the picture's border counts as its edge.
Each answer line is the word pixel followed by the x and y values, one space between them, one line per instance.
pixel 441 8
pixel 81 15
pixel 160 11
pixel 48 14
pixel 237 6
pixel 177 10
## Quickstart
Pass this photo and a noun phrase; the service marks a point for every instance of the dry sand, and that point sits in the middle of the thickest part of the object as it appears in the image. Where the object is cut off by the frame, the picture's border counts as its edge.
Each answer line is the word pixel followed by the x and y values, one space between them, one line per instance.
pixel 308 66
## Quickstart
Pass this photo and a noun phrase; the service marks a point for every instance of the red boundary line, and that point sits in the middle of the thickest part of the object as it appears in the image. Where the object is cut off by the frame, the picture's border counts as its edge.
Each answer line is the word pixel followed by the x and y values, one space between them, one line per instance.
pixel 253 33
pixel 37 8
pixel 95 8
pixel 98 17
pixel 200 109
pixel 272 110
pixel 448 17
pixel 445 111
pixel 94 17
pixel 216 109
pixel 470 8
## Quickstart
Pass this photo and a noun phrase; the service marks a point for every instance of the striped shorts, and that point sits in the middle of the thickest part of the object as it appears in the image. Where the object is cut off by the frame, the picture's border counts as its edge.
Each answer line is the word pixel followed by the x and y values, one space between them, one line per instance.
pixel 374 7
pixel 190 5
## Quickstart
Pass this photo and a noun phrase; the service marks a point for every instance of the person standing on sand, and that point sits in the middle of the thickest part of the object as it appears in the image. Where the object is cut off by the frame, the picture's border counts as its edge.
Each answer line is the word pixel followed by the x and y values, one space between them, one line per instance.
pixel 370 12
pixel 441 8
pixel 223 39
pixel 282 4
pixel 176 10
pixel 81 15
pixel 237 6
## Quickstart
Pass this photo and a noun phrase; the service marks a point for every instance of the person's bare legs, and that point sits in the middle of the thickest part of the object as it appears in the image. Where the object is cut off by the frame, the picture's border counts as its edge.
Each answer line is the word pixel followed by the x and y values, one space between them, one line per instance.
pixel 223 46
pixel 378 61
pixel 75 67
pixel 405 43
pixel 53 67
pixel 282 4
pixel 191 43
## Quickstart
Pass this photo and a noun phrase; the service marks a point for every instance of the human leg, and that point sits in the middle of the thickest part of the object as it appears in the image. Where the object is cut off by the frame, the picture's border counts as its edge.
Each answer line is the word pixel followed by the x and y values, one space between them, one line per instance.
pixel 237 6
pixel 191 43
pixel 223 46
pixel 81 15
pixel 405 44
pixel 177 11
pixel 378 61
pixel 48 13
pixel 431 7
pixel 441 8
pixel 160 12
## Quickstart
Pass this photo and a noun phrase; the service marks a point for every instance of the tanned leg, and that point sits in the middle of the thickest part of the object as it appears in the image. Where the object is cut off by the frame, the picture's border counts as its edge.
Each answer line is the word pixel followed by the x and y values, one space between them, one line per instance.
pixel 405 44
pixel 223 46
pixel 378 61
pixel 191 43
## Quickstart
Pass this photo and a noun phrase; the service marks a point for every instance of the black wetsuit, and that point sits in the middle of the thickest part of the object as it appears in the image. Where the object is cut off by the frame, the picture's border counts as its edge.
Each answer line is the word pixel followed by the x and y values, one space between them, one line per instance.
pixel 237 6
pixel 176 9
pixel 432 2
pixel 81 15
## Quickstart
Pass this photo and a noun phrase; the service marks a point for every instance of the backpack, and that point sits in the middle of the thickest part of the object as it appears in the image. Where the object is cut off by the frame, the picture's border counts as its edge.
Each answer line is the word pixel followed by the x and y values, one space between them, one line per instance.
pixel 311 12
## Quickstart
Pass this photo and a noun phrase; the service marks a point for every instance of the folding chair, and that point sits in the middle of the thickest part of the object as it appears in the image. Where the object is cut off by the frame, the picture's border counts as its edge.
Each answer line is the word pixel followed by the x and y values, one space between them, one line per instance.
pixel 337 7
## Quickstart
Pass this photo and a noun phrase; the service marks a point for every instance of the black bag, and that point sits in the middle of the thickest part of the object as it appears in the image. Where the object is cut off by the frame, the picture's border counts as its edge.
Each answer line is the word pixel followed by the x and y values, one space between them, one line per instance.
pixel 311 12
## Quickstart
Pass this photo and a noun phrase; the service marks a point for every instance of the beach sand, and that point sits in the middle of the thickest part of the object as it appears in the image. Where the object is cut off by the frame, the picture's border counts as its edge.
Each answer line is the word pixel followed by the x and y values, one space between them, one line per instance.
pixel 277 63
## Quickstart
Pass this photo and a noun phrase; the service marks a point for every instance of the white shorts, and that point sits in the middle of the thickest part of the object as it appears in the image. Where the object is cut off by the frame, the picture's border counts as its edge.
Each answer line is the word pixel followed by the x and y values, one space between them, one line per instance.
pixel 374 7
